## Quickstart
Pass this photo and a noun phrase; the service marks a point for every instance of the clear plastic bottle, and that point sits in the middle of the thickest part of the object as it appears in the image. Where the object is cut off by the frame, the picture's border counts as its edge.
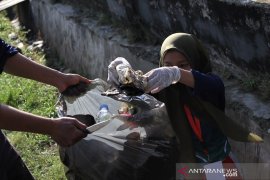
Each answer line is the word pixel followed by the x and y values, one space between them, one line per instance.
pixel 103 113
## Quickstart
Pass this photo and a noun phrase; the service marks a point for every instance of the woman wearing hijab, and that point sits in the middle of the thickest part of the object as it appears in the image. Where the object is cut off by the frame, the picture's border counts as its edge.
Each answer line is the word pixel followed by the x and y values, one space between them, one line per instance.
pixel 194 98
pixel 184 61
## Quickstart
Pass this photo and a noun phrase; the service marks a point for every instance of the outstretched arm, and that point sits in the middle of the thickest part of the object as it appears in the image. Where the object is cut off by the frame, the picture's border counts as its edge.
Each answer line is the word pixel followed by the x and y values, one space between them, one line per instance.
pixel 20 65
pixel 162 77
pixel 65 131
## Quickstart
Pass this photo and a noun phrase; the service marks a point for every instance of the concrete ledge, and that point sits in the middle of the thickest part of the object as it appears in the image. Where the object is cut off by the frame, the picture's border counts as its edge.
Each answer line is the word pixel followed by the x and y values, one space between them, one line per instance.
pixel 241 29
pixel 9 3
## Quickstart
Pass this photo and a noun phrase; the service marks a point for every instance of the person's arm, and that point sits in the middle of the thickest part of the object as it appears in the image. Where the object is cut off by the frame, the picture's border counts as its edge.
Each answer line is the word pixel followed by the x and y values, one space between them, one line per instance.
pixel 209 87
pixel 65 131
pixel 162 77
pixel 20 65
pixel 187 78
pixel 204 85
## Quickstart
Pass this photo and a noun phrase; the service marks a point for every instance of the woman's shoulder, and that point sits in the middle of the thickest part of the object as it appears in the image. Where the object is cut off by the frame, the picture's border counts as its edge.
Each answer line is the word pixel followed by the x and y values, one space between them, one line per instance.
pixel 210 79
pixel 209 87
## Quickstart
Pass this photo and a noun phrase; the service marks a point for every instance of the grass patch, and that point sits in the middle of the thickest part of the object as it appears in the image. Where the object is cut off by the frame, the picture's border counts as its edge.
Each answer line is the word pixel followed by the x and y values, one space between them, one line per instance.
pixel 39 152
pixel 258 83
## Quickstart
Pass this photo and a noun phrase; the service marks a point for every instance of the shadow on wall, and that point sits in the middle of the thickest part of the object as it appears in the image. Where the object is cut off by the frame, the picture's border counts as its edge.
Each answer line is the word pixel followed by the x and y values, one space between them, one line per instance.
pixel 241 29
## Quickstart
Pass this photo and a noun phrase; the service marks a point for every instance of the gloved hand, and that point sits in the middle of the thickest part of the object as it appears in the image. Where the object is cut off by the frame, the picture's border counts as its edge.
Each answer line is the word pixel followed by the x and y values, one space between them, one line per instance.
pixel 161 78
pixel 112 73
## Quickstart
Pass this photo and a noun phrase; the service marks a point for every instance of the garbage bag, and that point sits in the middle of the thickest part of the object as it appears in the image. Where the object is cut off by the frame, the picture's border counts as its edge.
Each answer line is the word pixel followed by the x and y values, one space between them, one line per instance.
pixel 140 146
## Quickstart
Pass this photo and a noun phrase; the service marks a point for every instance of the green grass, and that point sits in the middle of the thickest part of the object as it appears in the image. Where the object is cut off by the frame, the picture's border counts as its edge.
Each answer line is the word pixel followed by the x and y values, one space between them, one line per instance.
pixel 258 83
pixel 39 152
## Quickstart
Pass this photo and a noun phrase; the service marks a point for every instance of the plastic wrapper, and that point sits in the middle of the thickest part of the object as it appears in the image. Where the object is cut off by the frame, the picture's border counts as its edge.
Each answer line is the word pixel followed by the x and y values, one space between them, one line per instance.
pixel 128 76
pixel 139 146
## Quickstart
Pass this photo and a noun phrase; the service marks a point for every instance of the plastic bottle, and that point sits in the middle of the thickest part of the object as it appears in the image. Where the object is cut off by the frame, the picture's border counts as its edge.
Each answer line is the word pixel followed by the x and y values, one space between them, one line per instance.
pixel 103 113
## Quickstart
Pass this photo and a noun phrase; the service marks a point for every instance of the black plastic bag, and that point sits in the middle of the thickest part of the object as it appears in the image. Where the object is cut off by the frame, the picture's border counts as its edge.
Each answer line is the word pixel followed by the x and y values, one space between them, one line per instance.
pixel 141 146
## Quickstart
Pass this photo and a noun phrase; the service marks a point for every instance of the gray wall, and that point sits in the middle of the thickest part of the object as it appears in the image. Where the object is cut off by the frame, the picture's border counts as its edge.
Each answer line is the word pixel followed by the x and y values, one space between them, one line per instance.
pixel 241 30
pixel 84 46
pixel 233 33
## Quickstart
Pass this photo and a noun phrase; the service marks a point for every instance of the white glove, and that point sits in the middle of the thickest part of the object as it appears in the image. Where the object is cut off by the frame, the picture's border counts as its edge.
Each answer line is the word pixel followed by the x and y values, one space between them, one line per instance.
pixel 113 77
pixel 161 78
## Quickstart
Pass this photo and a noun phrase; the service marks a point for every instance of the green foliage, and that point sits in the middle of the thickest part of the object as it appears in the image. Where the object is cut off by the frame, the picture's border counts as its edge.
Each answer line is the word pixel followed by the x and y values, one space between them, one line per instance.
pixel 39 152
pixel 6 28
pixel 258 83
pixel 28 95
pixel 250 83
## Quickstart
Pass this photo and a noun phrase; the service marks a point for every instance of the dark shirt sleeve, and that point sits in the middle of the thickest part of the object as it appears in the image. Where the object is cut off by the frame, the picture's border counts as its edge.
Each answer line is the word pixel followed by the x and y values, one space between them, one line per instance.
pixel 210 88
pixel 6 51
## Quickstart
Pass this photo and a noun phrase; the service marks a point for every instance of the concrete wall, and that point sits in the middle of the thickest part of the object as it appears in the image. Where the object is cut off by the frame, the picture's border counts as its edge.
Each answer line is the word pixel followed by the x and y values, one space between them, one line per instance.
pixel 81 44
pixel 239 28
pixel 232 33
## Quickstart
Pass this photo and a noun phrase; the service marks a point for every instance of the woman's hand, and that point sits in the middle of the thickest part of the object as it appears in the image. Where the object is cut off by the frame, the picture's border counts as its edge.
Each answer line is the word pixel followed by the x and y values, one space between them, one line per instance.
pixel 160 78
